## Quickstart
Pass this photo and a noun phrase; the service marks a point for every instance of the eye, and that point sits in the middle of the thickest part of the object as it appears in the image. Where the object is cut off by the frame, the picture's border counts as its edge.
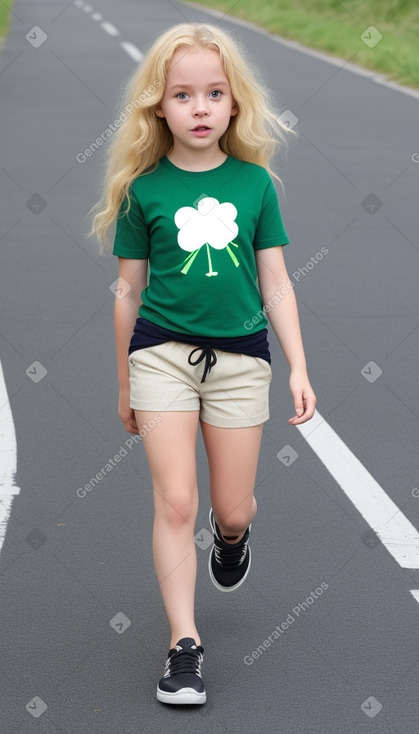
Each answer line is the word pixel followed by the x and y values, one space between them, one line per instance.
pixel 179 93
pixel 217 92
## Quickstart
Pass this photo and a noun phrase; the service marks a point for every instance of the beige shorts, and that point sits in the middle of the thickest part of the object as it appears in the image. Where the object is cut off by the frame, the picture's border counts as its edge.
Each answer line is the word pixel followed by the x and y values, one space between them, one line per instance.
pixel 235 392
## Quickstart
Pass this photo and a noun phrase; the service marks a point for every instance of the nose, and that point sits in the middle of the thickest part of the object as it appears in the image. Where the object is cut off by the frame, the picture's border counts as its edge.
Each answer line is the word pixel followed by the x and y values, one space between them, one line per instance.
pixel 201 106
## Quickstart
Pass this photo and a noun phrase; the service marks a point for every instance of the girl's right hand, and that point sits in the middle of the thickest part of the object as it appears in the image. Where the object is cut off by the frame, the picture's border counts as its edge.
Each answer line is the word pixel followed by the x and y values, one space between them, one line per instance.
pixel 126 414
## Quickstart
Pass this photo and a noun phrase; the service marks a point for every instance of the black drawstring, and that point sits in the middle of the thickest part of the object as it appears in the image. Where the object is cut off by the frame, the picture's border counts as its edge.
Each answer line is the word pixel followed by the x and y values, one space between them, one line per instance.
pixel 210 359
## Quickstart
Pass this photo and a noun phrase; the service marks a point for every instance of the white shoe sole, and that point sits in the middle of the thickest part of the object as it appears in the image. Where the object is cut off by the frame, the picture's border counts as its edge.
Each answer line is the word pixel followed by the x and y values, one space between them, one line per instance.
pixel 185 695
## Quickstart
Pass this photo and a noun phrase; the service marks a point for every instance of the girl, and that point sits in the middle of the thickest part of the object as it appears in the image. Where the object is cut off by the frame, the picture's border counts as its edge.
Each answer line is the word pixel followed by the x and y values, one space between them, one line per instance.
pixel 189 185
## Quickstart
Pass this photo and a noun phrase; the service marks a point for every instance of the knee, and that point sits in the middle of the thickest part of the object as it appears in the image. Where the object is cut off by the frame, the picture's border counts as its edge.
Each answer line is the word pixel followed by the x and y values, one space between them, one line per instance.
pixel 235 522
pixel 178 507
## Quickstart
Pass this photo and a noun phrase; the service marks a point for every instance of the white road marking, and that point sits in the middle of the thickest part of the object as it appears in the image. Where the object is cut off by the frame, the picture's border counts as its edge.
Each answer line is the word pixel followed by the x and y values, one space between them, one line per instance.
pixel 395 531
pixel 109 28
pixel 415 593
pixel 132 51
pixel 8 458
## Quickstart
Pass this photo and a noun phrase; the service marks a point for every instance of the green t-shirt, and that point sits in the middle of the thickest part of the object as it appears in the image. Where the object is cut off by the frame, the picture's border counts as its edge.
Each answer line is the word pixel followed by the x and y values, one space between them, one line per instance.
pixel 199 231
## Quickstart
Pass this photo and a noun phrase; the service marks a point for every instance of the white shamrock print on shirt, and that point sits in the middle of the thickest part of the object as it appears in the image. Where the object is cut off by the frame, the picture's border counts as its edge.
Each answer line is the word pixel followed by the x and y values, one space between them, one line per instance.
pixel 212 224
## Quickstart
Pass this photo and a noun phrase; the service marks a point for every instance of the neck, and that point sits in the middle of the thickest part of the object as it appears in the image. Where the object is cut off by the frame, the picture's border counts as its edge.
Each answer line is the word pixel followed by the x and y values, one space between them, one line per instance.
pixel 196 160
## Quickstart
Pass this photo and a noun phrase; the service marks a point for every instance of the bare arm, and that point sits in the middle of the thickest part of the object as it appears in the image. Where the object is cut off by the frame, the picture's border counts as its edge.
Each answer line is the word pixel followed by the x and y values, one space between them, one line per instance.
pixel 132 281
pixel 281 308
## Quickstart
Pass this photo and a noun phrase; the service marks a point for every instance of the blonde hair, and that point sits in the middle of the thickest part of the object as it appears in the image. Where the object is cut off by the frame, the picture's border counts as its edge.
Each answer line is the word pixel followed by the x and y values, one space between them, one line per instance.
pixel 143 137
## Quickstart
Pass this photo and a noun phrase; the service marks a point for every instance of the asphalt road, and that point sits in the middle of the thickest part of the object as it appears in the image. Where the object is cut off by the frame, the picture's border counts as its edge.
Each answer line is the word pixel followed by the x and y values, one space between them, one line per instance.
pixel 84 635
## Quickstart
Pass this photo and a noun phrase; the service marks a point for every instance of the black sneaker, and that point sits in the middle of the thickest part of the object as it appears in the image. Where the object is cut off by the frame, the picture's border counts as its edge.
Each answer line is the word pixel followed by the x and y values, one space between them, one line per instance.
pixel 228 563
pixel 182 681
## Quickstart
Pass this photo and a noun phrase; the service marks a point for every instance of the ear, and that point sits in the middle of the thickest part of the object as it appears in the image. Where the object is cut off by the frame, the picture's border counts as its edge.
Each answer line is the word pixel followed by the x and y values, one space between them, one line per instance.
pixel 159 112
pixel 234 109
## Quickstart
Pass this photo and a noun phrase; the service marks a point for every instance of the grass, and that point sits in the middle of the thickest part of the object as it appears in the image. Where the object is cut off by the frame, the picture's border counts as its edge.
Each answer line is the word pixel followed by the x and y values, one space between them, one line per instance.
pixel 335 26
pixel 5 16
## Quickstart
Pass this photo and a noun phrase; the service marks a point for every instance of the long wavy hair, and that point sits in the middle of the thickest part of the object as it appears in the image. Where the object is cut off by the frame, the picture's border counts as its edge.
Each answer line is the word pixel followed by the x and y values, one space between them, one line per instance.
pixel 254 134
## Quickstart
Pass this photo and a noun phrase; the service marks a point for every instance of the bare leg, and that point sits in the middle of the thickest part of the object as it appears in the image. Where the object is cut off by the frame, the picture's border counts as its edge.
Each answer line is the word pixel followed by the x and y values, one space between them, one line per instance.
pixel 170 448
pixel 232 456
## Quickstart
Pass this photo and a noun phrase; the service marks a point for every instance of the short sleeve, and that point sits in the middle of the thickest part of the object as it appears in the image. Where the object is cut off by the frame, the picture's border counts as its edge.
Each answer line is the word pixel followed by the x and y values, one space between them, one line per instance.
pixel 270 230
pixel 131 235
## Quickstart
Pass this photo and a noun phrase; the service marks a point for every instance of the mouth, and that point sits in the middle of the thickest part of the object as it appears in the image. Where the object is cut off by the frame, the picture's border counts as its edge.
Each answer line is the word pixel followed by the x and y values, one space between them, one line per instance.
pixel 201 127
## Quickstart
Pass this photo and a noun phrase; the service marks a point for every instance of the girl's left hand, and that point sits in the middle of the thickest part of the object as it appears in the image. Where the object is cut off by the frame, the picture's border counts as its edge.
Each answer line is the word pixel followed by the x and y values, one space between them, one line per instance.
pixel 304 397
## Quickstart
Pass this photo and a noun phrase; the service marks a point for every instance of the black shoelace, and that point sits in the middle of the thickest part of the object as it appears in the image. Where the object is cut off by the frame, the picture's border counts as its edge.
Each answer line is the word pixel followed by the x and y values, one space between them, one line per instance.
pixel 208 354
pixel 184 661
pixel 233 555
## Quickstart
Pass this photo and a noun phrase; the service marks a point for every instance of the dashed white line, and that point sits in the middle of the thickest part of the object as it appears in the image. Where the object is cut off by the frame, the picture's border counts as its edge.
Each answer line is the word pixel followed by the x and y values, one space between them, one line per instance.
pixel 132 51
pixel 109 28
pixel 415 593
pixel 8 458
pixel 395 531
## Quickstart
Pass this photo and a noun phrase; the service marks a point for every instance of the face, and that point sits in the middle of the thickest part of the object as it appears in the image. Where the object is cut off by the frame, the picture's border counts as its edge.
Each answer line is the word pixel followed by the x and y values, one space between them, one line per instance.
pixel 197 101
